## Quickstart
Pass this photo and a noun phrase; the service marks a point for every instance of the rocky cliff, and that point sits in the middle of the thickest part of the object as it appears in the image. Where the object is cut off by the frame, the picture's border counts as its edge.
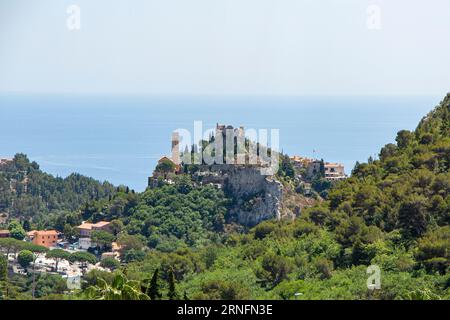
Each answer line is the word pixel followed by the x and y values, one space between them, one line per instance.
pixel 256 197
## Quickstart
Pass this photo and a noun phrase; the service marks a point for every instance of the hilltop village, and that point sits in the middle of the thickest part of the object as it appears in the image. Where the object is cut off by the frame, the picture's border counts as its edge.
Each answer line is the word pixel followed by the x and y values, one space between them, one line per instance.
pixel 257 197
pixel 91 245
pixel 306 168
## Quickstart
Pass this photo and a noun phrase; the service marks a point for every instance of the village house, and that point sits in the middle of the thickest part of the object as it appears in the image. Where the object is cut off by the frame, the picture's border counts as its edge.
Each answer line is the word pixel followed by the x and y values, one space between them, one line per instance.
pixel 86 229
pixel 332 171
pixel 313 168
pixel 46 238
pixel 4 234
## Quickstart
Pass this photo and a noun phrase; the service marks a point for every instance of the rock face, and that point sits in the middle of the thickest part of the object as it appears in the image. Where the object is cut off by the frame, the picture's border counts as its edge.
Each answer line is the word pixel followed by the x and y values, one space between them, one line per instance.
pixel 256 197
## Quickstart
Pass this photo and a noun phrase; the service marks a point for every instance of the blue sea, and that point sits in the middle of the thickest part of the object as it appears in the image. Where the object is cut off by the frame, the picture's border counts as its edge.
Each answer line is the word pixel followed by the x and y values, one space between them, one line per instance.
pixel 120 138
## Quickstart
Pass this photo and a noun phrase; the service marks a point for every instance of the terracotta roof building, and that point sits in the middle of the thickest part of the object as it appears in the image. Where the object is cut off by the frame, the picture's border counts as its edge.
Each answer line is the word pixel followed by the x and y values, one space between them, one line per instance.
pixel 46 238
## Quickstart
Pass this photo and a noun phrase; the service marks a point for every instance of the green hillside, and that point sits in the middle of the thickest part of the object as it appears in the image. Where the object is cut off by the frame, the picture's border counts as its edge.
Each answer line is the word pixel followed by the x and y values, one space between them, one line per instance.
pixel 27 193
pixel 393 212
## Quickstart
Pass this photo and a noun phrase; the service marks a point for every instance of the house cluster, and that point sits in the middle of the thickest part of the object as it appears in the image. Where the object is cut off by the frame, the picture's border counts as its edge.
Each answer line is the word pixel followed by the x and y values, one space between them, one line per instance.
pixel 332 171
pixel 54 239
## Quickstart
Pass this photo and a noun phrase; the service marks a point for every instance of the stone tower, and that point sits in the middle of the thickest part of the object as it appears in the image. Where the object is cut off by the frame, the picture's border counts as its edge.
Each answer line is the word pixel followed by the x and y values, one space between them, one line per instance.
pixel 176 147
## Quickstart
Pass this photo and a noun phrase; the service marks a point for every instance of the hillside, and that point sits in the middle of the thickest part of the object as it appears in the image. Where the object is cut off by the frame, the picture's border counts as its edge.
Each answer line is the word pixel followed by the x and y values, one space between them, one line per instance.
pixel 393 212
pixel 27 193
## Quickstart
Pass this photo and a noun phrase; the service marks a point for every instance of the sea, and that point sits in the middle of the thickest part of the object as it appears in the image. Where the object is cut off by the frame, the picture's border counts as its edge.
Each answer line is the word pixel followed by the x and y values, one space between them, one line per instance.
pixel 120 138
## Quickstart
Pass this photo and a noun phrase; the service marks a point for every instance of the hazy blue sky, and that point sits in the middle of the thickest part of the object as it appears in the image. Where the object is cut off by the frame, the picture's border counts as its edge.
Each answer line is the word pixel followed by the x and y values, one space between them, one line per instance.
pixel 225 47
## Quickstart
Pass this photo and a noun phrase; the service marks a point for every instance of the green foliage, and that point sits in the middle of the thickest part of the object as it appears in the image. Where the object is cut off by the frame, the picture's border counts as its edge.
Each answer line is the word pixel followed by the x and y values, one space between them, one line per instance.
pixel 25 257
pixel 16 230
pixel 102 238
pixel 48 284
pixel 153 291
pixel 392 212
pixel 57 255
pixel 165 166
pixel 120 289
pixel 172 294
pixel 180 214
pixel 3 268
pixel 133 255
pixel 110 263
pixel 83 257
pixel 40 197
pixel 286 168
pixel 433 250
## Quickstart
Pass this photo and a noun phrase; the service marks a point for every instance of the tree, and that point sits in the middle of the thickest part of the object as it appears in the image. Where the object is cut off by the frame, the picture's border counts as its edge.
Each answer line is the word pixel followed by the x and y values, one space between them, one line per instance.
pixel 25 258
pixel 11 245
pixel 3 268
pixel 404 138
pixel 133 255
pixel 412 217
pixel 50 284
pixel 3 277
pixel 110 263
pixel 58 255
pixel 172 294
pixel 387 151
pixel 102 238
pixel 286 167
pixel 26 225
pixel 34 249
pixel 16 230
pixel 84 258
pixel 128 242
pixel 165 166
pixel 153 289
pixel 116 226
pixel 433 250
pixel 275 268
pixel 70 232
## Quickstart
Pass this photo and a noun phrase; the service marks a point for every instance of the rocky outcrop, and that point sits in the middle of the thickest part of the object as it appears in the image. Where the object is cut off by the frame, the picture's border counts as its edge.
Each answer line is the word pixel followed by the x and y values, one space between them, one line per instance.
pixel 256 197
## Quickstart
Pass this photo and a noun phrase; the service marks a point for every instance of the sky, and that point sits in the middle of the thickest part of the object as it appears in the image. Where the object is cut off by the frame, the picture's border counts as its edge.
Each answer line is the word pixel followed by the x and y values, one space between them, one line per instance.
pixel 226 47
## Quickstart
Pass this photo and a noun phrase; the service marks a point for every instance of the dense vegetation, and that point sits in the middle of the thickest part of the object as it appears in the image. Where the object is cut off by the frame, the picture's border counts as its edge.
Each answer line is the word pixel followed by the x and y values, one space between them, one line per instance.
pixel 31 195
pixel 177 242
pixel 393 212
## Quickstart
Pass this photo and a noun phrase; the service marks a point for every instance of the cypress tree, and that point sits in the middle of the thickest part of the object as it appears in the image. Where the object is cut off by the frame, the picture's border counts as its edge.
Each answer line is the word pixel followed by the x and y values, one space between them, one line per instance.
pixel 172 294
pixel 3 277
pixel 153 289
